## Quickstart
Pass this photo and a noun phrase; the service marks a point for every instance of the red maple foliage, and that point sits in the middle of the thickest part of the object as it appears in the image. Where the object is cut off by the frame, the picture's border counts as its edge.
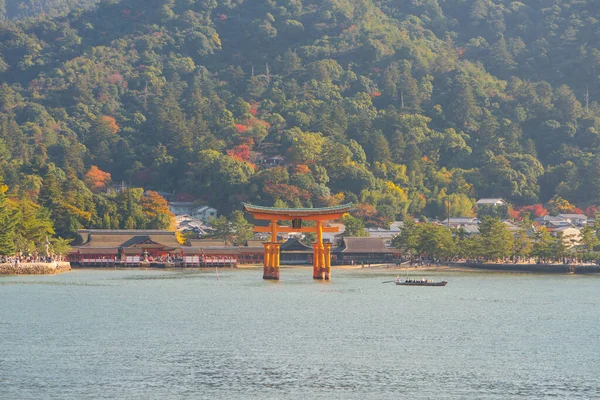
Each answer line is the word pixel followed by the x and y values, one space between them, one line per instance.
pixel 514 214
pixel 591 211
pixel 285 192
pixel 115 78
pixel 375 94
pixel 241 152
pixel 241 128
pixel 368 213
pixel 247 140
pixel 250 122
pixel 534 211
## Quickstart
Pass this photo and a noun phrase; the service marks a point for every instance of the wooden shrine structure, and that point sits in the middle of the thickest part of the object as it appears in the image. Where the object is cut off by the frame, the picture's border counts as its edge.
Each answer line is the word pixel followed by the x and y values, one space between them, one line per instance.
pixel 322 251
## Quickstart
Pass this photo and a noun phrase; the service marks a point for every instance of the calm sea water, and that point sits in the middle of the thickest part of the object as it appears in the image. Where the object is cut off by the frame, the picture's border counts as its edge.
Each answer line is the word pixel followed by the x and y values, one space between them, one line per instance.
pixel 134 334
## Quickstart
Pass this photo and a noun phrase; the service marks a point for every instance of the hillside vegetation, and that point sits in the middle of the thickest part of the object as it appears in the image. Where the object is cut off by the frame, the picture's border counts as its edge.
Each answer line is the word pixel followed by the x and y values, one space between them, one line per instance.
pixel 398 106
pixel 20 9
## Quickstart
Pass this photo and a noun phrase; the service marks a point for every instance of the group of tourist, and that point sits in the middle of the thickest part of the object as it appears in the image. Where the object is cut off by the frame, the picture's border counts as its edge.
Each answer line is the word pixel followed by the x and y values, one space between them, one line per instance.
pixel 163 259
pixel 19 259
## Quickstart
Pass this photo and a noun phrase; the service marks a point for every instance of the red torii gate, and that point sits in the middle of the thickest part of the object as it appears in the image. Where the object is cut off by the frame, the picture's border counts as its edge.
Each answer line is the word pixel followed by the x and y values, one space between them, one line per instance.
pixel 322 251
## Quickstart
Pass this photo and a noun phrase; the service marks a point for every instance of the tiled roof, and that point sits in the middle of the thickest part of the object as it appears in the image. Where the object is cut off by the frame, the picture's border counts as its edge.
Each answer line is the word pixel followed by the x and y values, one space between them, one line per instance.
pixel 294 244
pixel 99 238
pixel 490 201
pixel 364 245
pixel 300 212
pixel 573 216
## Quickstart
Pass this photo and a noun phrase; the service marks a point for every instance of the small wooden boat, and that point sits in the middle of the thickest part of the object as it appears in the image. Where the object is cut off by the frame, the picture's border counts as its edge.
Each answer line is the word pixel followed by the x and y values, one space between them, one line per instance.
pixel 420 283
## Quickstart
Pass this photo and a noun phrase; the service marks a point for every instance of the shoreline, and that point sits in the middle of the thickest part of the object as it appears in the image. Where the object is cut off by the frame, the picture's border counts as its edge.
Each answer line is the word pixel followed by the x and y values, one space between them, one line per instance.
pixel 38 268
pixel 451 267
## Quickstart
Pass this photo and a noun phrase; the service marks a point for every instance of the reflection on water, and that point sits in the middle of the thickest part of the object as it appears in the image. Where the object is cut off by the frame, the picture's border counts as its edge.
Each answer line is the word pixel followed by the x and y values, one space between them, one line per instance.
pixel 160 334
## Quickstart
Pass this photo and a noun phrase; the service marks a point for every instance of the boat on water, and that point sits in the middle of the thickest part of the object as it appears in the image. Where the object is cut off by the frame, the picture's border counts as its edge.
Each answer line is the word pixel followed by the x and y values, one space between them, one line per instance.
pixel 423 282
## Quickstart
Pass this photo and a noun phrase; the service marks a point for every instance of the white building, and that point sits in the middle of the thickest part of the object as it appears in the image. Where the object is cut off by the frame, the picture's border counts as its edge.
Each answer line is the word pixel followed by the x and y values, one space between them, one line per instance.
pixel 571 235
pixel 386 234
pixel 203 213
pixel 186 223
pixel 575 219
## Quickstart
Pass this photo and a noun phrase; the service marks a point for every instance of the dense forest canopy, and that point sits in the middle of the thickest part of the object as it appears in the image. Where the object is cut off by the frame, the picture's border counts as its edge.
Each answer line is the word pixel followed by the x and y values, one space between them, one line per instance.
pixel 20 9
pixel 402 107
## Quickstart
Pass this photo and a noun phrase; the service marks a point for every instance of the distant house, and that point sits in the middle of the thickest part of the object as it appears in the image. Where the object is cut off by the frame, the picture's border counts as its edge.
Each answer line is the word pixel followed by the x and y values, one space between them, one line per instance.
pixel 186 223
pixel 492 202
pixel 457 222
pixel 273 161
pixel 386 234
pixel 471 229
pixel 511 226
pixel 204 213
pixel 116 188
pixel 571 235
pixel 494 207
pixel 575 219
pixel 552 222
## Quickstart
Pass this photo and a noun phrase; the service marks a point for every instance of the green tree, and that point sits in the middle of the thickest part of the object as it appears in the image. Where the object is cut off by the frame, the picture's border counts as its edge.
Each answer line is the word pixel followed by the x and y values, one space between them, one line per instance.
pixel 354 226
pixel 589 237
pixel 435 241
pixel 408 238
pixel 543 246
pixel 242 230
pixel 496 240
pixel 8 223
pixel 221 229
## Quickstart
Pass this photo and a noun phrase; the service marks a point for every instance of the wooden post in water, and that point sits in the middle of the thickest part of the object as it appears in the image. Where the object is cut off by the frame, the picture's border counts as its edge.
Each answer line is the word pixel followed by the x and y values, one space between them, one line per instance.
pixel 271 265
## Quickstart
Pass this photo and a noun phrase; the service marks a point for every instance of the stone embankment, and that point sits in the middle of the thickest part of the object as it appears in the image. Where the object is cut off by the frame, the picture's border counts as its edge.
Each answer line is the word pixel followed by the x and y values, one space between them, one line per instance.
pixel 38 268
pixel 544 268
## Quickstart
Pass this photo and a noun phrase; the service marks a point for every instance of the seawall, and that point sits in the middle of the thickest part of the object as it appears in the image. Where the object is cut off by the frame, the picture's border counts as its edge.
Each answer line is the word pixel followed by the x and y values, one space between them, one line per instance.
pixel 34 268
pixel 543 268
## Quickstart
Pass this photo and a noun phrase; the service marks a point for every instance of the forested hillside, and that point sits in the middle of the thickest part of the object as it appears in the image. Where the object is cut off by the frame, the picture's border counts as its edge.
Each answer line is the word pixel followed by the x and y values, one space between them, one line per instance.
pixel 19 9
pixel 398 106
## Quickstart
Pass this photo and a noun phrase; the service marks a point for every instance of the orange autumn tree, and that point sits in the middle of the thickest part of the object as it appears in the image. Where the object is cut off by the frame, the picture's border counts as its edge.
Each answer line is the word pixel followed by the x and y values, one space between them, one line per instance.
pixel 241 152
pixel 96 179
pixel 156 210
pixel 110 123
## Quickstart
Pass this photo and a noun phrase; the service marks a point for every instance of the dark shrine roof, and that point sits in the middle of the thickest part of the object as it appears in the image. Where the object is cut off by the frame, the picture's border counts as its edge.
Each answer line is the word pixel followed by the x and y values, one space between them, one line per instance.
pixel 106 238
pixel 364 245
pixel 297 212
pixel 294 244
pixel 97 250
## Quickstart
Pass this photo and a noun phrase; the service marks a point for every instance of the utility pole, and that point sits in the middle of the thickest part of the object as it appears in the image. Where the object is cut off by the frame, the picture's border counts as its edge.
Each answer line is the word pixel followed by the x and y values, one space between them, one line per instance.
pixel 448 213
